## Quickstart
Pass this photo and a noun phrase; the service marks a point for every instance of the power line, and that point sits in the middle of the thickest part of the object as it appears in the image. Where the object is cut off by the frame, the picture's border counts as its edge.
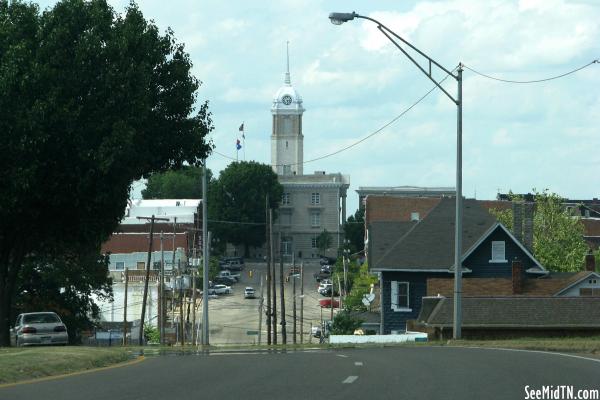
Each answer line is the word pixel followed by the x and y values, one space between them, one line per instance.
pixel 535 80
pixel 393 120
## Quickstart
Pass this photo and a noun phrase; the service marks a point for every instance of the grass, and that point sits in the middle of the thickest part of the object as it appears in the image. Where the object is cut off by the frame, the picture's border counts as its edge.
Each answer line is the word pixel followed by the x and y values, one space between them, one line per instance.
pixel 17 364
pixel 587 345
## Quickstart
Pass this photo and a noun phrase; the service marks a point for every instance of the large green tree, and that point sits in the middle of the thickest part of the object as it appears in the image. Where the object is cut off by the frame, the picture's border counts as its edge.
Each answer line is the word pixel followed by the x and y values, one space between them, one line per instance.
pixel 184 183
pixel 90 101
pixel 354 230
pixel 557 234
pixel 236 203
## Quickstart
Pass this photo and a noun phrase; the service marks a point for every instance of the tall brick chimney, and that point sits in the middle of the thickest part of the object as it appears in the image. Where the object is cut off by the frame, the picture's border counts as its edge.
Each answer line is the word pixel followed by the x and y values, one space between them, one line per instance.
pixel 517 211
pixel 590 262
pixel 528 226
pixel 518 277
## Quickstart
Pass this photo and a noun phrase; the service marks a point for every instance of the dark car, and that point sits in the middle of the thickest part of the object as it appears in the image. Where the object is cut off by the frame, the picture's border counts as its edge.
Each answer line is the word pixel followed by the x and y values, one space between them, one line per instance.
pixel 224 280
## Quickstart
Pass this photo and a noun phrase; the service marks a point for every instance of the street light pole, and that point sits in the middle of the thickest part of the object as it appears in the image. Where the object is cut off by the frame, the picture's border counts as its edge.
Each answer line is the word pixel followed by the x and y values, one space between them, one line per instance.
pixel 205 255
pixel 340 18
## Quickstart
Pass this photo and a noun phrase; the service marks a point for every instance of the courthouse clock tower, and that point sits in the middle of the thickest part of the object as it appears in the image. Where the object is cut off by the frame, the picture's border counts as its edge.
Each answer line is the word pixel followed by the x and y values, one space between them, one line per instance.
pixel 286 137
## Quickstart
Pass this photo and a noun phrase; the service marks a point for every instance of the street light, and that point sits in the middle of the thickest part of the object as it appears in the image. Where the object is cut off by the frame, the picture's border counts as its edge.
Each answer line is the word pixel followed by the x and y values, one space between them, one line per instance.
pixel 340 18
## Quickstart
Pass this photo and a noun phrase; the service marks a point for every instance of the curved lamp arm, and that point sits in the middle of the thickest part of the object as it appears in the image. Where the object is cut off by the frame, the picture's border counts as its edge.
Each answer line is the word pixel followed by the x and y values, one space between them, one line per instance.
pixel 340 18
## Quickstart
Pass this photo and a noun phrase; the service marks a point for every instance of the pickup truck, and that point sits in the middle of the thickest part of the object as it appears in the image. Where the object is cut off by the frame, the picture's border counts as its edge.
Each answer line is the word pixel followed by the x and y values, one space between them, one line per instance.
pixel 229 274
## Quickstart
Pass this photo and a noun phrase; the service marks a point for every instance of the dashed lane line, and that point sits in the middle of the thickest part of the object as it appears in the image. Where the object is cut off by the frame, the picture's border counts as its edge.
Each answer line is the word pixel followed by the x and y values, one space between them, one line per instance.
pixel 350 379
pixel 358 363
pixel 342 355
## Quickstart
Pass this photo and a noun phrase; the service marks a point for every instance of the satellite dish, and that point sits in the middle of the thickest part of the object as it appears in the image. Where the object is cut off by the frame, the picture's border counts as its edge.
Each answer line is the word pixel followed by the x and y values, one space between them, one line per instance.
pixel 368 299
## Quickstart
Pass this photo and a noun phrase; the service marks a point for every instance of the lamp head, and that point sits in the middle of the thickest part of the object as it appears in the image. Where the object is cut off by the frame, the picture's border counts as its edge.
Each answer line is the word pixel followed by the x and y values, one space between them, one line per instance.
pixel 340 18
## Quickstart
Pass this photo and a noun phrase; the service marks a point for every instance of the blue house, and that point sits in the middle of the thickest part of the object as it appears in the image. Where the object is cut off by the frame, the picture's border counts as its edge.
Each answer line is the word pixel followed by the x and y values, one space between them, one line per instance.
pixel 407 253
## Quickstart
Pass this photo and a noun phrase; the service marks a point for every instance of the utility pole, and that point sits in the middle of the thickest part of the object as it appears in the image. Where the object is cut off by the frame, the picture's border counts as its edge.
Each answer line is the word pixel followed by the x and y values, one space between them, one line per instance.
pixel 281 291
pixel 294 293
pixel 331 305
pixel 193 307
pixel 260 310
pixel 274 278
pixel 161 311
pixel 205 255
pixel 268 250
pixel 182 300
pixel 144 299
pixel 301 303
pixel 125 308
pixel 174 235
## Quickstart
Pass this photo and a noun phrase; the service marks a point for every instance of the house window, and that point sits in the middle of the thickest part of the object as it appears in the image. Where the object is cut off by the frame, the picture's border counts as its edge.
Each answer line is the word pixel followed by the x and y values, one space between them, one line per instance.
pixel 285 218
pixel 498 252
pixel 315 198
pixel 119 265
pixel 414 216
pixel 315 219
pixel 156 265
pixel 286 246
pixel 313 242
pixel 589 292
pixel 400 296
pixel 285 199
pixel 141 265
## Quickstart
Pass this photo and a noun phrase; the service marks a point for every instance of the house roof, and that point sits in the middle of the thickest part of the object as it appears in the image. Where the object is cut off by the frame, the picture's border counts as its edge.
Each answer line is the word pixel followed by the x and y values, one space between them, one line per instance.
pixel 388 208
pixel 514 312
pixel 125 243
pixel 551 285
pixel 429 245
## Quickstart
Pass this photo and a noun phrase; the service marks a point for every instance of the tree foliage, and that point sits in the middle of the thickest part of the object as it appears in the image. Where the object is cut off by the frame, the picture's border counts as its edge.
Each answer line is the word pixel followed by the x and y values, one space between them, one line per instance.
pixel 361 285
pixel 89 102
pixel 323 241
pixel 236 203
pixel 354 230
pixel 345 324
pixel 557 234
pixel 558 242
pixel 185 183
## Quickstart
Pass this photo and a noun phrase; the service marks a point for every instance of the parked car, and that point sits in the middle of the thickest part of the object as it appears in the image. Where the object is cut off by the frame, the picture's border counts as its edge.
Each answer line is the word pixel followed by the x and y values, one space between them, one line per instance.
pixel 39 328
pixel 224 280
pixel 232 263
pixel 222 289
pixel 326 303
pixel 319 276
pixel 228 274
pixel 249 293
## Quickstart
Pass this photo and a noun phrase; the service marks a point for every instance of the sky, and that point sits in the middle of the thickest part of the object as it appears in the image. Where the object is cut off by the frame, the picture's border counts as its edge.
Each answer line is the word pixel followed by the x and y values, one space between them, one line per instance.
pixel 354 81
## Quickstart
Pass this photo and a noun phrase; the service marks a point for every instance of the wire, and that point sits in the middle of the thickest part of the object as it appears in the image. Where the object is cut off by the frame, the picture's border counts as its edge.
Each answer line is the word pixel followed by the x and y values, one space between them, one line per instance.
pixel 393 120
pixel 535 80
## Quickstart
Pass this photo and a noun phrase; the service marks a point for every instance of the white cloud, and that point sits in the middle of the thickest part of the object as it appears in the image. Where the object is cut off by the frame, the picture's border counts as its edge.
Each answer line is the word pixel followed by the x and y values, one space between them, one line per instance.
pixel 501 138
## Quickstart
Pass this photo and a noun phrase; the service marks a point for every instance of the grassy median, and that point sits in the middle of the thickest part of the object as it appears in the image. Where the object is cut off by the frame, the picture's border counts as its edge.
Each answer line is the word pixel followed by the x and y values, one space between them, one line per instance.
pixel 18 364
pixel 588 345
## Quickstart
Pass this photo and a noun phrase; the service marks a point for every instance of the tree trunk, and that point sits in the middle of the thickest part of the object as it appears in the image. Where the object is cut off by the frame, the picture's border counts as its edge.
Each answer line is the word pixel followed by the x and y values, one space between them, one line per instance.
pixel 11 258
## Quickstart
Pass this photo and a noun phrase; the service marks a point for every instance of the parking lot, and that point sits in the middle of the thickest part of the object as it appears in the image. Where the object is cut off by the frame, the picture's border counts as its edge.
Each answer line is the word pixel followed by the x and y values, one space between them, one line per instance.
pixel 235 320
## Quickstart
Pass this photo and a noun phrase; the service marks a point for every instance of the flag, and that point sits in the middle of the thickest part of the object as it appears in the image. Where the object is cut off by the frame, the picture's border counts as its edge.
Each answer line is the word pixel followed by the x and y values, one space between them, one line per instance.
pixel 237 144
pixel 242 130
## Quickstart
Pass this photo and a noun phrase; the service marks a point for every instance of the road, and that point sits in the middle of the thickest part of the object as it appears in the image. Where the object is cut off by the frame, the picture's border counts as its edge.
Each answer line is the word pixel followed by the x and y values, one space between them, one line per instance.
pixel 232 316
pixel 380 373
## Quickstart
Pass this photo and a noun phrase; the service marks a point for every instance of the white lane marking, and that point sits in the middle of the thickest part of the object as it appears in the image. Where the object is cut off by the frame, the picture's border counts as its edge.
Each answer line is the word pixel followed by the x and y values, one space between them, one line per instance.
pixel 350 379
pixel 358 363
pixel 342 355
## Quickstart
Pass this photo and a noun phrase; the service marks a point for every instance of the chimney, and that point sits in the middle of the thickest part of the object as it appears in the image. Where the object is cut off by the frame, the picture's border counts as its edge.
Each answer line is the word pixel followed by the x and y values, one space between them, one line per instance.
pixel 528 226
pixel 517 210
pixel 590 262
pixel 517 277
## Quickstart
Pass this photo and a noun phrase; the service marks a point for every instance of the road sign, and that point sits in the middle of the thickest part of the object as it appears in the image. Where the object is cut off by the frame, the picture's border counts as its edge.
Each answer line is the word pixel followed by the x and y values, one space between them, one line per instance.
pixel 249 333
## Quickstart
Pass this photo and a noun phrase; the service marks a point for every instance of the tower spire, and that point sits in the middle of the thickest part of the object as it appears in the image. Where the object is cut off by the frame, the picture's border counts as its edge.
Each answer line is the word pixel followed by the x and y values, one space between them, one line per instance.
pixel 287 72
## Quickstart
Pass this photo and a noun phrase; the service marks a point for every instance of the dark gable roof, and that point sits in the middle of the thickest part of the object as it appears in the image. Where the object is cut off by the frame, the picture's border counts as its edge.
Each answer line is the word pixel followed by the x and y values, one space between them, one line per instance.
pixel 429 244
pixel 383 235
pixel 514 312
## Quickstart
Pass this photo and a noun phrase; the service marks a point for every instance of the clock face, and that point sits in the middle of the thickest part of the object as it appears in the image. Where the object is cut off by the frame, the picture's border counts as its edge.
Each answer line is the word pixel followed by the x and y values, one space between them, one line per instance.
pixel 287 99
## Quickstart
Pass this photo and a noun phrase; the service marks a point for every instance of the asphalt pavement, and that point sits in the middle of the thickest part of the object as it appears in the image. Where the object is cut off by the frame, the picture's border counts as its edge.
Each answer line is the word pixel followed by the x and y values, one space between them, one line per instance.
pixel 374 373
